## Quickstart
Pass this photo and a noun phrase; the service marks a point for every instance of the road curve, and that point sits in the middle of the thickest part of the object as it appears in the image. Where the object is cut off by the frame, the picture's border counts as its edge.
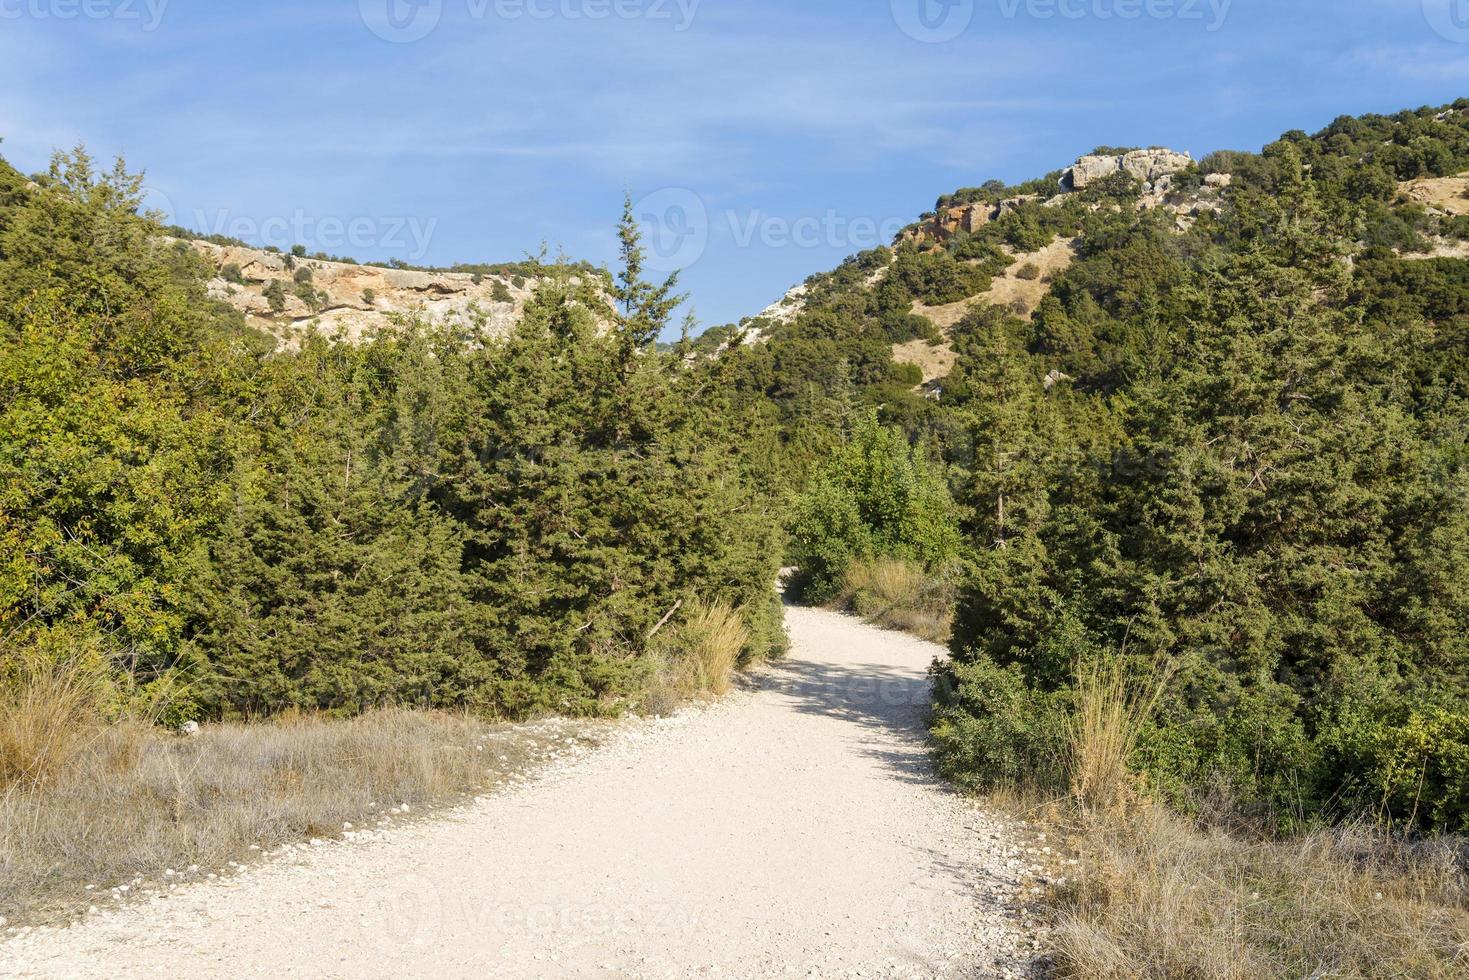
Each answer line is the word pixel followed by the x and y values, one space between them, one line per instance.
pixel 795 828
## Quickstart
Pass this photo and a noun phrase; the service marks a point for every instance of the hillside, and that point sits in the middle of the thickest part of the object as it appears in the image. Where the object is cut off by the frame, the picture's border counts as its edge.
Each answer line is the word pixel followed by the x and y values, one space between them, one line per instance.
pixel 1203 559
pixel 354 300
pixel 1173 453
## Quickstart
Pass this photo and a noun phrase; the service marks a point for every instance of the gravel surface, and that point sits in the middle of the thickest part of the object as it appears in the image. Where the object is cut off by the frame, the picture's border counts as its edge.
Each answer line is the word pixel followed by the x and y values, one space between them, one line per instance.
pixel 795 828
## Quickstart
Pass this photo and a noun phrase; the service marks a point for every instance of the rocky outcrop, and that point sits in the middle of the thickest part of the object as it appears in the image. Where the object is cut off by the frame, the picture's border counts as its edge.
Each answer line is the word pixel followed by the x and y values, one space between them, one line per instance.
pixel 1149 167
pixel 962 219
pixel 354 300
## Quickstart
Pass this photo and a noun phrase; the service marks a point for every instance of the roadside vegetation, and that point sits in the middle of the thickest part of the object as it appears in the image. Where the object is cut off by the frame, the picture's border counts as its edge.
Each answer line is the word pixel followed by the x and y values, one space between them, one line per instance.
pixel 1210 590
pixel 348 561
pixel 1195 529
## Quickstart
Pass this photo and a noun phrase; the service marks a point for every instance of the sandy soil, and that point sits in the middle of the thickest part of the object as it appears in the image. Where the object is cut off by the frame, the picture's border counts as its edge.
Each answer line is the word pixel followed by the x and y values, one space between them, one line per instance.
pixel 794 829
pixel 1444 194
pixel 934 360
pixel 1023 296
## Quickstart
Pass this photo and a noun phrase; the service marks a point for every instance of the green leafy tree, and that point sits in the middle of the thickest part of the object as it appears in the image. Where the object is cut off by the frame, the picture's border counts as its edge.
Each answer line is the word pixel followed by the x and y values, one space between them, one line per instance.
pixel 877 496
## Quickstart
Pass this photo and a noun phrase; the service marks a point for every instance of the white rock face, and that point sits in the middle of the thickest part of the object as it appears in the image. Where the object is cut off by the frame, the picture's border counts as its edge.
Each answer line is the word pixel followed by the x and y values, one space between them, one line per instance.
pixel 1148 166
pixel 357 299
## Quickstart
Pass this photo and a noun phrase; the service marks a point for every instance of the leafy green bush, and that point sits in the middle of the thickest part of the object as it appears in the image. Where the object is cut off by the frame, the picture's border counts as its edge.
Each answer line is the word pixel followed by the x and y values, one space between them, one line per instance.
pixel 936 277
pixel 876 496
pixel 1254 473
pixel 275 295
pixel 992 729
pixel 432 516
pixel 1421 768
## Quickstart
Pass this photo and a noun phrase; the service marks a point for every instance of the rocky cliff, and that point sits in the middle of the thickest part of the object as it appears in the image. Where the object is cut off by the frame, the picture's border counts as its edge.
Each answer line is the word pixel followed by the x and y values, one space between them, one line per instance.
pixel 1155 169
pixel 283 295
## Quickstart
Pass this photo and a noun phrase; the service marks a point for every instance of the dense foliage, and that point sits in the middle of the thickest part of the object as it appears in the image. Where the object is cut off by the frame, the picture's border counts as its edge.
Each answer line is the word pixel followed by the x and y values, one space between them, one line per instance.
pixel 433 516
pixel 876 497
pixel 1251 485
pixel 1227 453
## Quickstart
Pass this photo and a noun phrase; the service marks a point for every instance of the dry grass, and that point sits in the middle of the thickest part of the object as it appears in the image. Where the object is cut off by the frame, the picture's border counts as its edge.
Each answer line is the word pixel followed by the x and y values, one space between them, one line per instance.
pixel 1162 896
pixel 1111 710
pixel 900 595
pixel 131 802
pixel 936 361
pixel 48 711
pixel 699 657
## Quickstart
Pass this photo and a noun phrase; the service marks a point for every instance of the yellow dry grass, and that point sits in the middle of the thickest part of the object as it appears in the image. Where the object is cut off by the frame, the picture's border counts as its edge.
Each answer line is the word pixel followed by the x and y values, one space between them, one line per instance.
pixel 698 658
pixel 899 595
pixel 122 803
pixel 1160 895
pixel 1446 194
pixel 934 360
pixel 49 709
pixel 1111 710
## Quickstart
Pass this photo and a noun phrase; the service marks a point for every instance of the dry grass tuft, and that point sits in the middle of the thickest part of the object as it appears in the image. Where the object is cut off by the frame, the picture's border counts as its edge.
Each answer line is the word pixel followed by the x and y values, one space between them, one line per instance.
pixel 1111 710
pixel 699 658
pixel 49 709
pixel 899 595
pixel 131 801
pixel 1161 896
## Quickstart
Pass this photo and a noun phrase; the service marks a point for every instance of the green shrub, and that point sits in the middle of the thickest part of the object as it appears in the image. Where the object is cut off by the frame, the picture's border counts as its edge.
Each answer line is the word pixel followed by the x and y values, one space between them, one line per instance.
pixel 992 730
pixel 936 277
pixel 876 496
pixel 275 295
pixel 908 374
pixel 1421 768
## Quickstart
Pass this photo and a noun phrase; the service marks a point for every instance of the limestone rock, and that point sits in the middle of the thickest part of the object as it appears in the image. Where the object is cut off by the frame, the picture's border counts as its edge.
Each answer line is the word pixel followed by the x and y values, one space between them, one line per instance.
pixel 356 300
pixel 1147 166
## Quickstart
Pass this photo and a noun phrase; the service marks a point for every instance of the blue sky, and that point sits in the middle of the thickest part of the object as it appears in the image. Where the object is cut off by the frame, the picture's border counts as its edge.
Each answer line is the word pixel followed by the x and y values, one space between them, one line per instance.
pixel 764 139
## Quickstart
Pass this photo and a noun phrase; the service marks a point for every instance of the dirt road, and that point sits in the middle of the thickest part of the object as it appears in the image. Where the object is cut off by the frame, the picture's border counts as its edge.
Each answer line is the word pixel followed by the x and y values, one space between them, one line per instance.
pixel 794 829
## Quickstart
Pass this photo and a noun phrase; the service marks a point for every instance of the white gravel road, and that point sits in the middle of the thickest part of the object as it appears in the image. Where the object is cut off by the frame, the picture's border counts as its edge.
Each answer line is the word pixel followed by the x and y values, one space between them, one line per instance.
pixel 795 828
